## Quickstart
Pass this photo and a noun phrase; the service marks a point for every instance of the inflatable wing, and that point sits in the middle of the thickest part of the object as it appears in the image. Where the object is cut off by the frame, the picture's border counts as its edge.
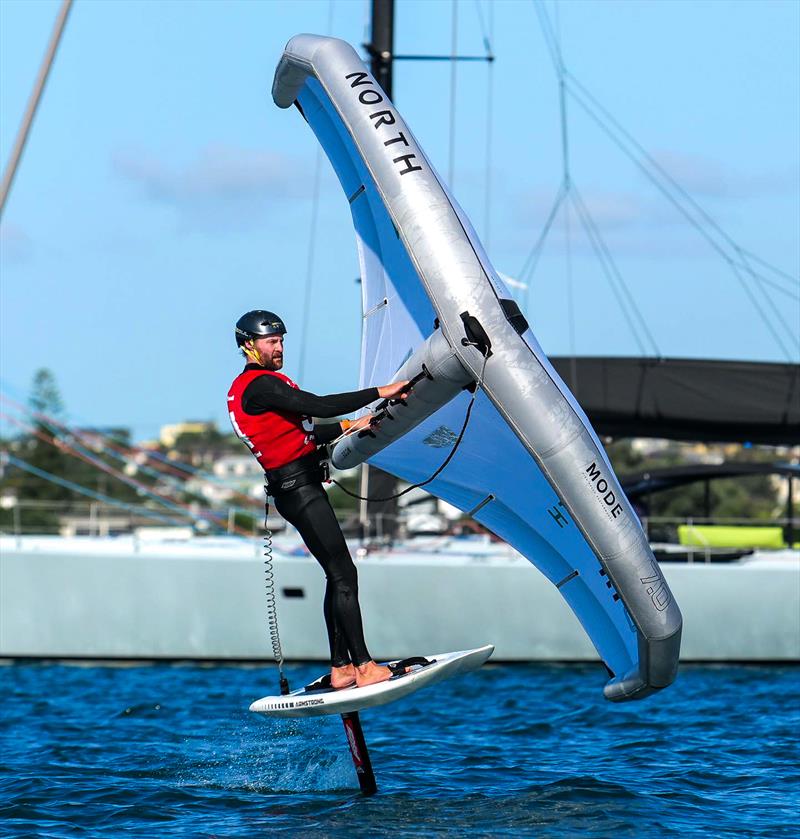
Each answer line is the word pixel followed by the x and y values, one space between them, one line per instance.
pixel 529 466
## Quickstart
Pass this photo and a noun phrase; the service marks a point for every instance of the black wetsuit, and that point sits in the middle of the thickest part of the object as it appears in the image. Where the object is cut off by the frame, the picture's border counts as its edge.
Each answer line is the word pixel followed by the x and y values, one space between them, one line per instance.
pixel 307 507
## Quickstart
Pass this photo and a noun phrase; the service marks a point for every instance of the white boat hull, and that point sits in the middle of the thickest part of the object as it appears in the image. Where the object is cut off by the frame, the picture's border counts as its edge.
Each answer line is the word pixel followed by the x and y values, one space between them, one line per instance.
pixel 204 599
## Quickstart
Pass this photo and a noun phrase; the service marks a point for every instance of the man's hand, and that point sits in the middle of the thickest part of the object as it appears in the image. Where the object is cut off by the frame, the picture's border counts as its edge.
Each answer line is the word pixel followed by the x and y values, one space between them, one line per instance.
pixel 394 390
pixel 360 424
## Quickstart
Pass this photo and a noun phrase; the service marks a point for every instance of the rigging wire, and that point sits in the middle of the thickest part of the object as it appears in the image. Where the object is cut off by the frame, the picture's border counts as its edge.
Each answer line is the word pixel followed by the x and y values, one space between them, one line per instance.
pixel 557 29
pixel 312 242
pixel 576 95
pixel 664 188
pixel 573 362
pixel 549 37
pixel 125 454
pixel 567 181
pixel 59 442
pixel 116 451
pixel 13 460
pixel 312 237
pixel 794 335
pixel 762 314
pixel 615 279
pixel 453 80
pixel 734 266
pixel 568 189
pixel 177 484
pixel 778 271
pixel 193 471
pixel 532 260
pixel 592 228
pixel 488 42
pixel 486 36
pixel 177 468
pixel 673 182
pixel 673 191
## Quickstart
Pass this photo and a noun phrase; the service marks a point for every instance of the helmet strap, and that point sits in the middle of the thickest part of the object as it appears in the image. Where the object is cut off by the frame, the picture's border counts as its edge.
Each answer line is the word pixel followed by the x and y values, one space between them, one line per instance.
pixel 251 354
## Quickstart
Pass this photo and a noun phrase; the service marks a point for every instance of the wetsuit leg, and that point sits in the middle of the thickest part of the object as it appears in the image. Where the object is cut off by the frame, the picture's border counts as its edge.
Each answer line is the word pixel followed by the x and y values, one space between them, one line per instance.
pixel 310 511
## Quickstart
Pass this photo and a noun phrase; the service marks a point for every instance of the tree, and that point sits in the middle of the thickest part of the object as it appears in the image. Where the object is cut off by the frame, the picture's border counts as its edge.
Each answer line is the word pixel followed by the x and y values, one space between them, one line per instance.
pixel 45 396
pixel 45 399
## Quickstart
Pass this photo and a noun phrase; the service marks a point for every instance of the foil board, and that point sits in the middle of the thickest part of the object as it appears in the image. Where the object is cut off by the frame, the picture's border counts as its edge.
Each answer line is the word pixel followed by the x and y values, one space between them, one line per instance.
pixel 315 700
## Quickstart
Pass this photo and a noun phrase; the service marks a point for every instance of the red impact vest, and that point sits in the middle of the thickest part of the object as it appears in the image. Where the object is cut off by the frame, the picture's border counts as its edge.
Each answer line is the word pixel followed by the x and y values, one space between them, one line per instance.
pixel 275 437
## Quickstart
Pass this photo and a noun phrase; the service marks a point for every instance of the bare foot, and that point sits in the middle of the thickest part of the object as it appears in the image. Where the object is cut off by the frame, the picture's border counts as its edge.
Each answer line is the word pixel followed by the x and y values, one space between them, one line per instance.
pixel 343 677
pixel 371 674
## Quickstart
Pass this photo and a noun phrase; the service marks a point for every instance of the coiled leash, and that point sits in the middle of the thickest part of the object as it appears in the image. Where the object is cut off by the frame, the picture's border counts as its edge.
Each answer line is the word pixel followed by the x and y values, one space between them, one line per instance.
pixel 272 609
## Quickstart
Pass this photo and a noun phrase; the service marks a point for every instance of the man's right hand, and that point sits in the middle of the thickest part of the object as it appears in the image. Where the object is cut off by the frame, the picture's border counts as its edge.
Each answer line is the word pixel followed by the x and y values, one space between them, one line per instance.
pixel 394 390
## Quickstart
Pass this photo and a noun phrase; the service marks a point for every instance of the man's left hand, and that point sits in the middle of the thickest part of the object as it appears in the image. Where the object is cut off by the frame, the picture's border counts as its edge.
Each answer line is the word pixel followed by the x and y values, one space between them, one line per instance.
pixel 360 424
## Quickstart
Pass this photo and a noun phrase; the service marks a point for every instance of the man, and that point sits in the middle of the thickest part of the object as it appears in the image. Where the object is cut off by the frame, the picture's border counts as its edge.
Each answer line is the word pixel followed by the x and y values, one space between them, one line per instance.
pixel 273 417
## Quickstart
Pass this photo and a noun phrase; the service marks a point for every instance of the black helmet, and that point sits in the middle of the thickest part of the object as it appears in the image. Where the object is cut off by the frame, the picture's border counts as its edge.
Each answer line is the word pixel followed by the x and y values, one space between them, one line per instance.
pixel 257 324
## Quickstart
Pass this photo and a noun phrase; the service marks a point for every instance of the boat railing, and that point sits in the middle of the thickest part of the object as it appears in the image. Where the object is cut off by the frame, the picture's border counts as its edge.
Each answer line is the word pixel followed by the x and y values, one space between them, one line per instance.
pixel 693 538
pixel 98 519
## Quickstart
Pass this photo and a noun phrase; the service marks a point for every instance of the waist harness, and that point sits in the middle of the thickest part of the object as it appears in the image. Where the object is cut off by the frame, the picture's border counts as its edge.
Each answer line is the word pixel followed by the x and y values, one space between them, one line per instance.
pixel 309 469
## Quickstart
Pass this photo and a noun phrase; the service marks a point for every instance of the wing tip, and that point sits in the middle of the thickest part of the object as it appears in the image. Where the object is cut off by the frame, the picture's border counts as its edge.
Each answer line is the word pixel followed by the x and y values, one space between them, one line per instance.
pixel 656 669
pixel 300 58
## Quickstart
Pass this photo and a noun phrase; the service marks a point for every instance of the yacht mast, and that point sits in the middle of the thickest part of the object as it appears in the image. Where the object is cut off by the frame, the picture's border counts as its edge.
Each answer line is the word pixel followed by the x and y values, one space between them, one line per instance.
pixel 33 102
pixel 381 45
pixel 379 518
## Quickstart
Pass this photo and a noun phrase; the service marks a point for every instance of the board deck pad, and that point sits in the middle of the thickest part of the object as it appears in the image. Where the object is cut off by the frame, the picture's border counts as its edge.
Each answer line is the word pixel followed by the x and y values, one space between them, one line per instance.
pixel 314 701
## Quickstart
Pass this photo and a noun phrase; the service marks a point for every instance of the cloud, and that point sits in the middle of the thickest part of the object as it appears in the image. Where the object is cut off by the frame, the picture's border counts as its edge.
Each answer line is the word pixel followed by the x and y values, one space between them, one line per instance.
pixel 225 187
pixel 699 176
pixel 629 224
pixel 703 177
pixel 609 209
pixel 614 211
pixel 15 244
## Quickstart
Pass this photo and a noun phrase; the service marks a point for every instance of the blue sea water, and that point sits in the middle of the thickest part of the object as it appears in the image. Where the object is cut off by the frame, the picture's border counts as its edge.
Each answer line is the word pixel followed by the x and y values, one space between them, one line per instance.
pixel 525 750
